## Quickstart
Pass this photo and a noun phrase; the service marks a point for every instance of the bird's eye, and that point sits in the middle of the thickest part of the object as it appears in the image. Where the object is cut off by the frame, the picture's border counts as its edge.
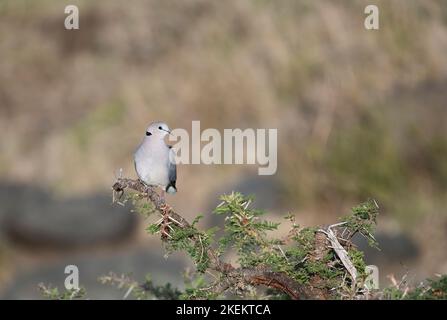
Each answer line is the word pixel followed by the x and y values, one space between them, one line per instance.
pixel 160 128
pixel 148 133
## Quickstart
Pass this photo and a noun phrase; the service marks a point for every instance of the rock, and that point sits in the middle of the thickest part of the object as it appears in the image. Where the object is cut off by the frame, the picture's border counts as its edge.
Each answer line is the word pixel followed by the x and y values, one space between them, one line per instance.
pixel 138 262
pixel 265 189
pixel 31 216
pixel 395 248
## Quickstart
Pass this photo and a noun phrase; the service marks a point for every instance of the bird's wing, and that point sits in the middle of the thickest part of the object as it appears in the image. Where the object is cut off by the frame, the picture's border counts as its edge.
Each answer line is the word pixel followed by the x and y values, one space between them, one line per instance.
pixel 172 167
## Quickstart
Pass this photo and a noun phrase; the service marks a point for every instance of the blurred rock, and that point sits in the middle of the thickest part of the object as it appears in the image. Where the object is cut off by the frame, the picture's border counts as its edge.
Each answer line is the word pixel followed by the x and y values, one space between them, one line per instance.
pixel 31 216
pixel 395 248
pixel 136 262
pixel 265 189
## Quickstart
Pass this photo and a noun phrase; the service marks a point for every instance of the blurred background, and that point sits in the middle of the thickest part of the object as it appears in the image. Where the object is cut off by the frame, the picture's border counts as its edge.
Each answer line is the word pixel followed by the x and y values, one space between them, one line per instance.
pixel 360 114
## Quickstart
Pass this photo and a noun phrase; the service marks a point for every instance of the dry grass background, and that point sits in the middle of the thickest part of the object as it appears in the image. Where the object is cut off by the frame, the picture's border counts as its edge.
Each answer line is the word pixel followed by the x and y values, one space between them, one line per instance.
pixel 359 113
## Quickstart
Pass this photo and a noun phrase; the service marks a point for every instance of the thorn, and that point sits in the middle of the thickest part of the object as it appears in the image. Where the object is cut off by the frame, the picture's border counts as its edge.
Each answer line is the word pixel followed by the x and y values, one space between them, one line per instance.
pixel 164 233
pixel 375 202
pixel 172 219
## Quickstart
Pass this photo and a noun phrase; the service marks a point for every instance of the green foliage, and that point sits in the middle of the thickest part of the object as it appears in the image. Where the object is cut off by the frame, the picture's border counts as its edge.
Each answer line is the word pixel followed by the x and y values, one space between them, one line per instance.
pixel 197 250
pixel 165 292
pixel 244 230
pixel 190 240
pixel 304 240
pixel 363 220
pixel 356 257
pixel 53 293
pixel 143 291
pixel 431 290
pixel 393 293
pixel 141 206
pixel 247 234
pixel 434 290
pixel 197 287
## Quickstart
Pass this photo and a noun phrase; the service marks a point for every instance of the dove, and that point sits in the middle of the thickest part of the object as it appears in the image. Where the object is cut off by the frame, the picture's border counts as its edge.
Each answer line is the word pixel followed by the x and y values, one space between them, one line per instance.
pixel 155 160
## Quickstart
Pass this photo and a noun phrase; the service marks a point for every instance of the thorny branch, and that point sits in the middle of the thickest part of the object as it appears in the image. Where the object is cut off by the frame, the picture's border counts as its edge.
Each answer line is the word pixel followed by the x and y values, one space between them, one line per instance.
pixel 233 277
pixel 340 251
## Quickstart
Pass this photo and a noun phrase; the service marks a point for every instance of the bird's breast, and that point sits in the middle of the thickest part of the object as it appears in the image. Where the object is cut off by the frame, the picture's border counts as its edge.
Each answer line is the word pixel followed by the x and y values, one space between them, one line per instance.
pixel 151 164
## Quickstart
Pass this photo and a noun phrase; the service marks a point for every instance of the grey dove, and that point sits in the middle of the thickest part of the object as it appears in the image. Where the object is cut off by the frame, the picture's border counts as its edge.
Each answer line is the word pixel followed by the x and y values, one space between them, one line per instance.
pixel 155 160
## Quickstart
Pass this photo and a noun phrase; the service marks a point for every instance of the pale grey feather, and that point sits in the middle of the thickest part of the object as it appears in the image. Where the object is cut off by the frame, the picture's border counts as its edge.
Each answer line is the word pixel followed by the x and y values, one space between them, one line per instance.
pixel 155 160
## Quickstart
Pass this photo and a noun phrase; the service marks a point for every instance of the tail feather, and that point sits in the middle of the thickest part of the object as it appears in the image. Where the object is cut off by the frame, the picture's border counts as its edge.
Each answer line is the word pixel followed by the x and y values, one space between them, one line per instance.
pixel 171 188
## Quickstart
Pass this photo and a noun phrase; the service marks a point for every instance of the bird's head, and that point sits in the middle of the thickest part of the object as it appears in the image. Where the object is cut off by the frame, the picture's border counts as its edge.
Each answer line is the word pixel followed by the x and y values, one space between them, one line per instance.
pixel 157 130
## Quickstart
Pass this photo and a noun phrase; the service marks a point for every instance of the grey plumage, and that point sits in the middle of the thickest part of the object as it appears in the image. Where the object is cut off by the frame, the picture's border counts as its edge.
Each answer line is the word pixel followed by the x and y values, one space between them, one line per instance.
pixel 172 170
pixel 155 160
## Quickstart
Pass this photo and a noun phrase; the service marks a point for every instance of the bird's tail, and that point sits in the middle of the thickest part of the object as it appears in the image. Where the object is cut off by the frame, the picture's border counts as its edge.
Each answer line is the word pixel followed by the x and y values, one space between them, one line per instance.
pixel 171 189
